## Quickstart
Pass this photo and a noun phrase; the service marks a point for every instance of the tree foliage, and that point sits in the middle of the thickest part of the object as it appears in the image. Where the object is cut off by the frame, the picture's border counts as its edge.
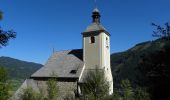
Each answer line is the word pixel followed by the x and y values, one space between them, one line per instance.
pixel 116 95
pixel 141 94
pixel 52 89
pixel 161 32
pixel 129 93
pixel 95 86
pixel 5 36
pixel 4 84
pixel 155 67
pixel 30 94
pixel 127 90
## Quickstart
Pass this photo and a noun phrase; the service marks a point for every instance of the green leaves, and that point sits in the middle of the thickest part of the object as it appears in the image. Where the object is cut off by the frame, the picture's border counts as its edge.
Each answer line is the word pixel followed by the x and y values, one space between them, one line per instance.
pixel 52 87
pixel 127 90
pixel 95 85
pixel 4 84
pixel 130 93
pixel 141 94
pixel 30 94
pixel 3 75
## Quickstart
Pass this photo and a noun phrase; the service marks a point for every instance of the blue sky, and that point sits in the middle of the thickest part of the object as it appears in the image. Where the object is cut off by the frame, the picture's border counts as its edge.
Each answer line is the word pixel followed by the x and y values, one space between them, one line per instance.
pixel 42 25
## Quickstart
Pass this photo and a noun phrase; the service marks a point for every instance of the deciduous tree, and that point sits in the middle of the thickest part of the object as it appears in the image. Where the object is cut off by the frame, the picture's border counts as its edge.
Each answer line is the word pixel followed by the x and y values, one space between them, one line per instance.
pixel 161 32
pixel 5 36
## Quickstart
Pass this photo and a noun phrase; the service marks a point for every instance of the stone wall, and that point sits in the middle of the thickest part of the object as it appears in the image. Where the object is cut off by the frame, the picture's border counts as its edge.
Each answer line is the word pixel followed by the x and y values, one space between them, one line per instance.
pixel 65 89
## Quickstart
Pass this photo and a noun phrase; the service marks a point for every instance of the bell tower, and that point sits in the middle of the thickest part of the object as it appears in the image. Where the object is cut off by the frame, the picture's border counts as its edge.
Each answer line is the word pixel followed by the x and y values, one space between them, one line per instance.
pixel 96 47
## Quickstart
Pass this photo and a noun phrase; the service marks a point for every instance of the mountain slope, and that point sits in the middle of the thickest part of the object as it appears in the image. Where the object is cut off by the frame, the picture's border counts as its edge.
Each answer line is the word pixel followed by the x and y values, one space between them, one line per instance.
pixel 18 69
pixel 125 65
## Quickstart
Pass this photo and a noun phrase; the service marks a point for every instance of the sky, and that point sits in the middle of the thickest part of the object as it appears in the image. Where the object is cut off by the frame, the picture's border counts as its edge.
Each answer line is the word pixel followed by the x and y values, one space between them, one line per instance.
pixel 42 25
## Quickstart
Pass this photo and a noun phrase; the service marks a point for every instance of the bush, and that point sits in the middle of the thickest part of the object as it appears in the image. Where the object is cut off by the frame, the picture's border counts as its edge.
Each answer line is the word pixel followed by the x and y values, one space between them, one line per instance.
pixel 52 89
pixel 30 94
pixel 95 86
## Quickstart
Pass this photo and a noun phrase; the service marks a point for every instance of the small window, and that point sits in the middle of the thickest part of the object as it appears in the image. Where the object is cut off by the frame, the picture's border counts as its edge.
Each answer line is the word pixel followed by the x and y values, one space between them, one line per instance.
pixel 107 43
pixel 73 71
pixel 92 39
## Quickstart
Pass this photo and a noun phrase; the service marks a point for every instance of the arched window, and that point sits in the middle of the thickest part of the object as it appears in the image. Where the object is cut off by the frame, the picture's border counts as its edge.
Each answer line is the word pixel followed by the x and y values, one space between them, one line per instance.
pixel 92 39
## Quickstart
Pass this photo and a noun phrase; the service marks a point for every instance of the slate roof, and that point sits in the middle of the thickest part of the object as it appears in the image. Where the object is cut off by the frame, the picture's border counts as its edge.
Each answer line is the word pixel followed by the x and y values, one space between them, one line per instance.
pixel 65 64
pixel 94 27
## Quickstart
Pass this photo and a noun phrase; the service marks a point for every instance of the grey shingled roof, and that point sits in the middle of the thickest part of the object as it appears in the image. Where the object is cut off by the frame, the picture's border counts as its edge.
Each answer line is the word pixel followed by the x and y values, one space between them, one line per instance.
pixel 94 27
pixel 62 63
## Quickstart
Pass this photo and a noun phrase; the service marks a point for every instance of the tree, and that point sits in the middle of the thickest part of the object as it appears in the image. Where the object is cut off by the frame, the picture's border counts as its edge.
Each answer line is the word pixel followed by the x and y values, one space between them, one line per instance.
pixel 52 89
pixel 116 95
pixel 5 36
pixel 155 67
pixel 95 86
pixel 4 84
pixel 30 94
pixel 127 90
pixel 141 94
pixel 161 32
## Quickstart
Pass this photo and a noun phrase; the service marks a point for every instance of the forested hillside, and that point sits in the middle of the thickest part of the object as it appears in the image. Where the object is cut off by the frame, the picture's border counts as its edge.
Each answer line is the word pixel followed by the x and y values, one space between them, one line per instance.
pixel 145 65
pixel 18 69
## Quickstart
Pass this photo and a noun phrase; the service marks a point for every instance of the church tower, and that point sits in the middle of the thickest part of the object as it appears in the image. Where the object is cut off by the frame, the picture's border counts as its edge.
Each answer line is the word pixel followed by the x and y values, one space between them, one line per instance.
pixel 96 47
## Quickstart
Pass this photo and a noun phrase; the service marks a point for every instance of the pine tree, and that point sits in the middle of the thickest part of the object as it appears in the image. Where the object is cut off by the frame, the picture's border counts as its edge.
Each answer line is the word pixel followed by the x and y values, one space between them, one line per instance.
pixel 95 86
pixel 141 94
pixel 127 90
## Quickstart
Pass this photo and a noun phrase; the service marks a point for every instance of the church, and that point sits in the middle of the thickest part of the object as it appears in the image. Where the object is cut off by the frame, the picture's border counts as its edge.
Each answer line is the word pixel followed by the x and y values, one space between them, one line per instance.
pixel 71 66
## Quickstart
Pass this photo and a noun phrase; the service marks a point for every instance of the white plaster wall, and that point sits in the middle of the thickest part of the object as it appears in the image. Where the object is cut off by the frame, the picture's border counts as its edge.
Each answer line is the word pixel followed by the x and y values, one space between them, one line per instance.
pixel 91 53
pixel 105 59
pixel 97 54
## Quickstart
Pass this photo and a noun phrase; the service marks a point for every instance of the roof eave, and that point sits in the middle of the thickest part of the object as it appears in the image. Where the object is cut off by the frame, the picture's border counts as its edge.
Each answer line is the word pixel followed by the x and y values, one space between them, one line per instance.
pixel 93 33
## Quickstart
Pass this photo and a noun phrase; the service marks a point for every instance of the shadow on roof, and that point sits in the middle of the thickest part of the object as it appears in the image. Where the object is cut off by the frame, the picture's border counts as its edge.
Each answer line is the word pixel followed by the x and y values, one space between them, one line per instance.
pixel 78 53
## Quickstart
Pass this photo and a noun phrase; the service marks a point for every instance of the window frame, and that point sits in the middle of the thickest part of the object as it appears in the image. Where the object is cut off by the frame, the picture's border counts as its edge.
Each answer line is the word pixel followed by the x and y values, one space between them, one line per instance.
pixel 92 39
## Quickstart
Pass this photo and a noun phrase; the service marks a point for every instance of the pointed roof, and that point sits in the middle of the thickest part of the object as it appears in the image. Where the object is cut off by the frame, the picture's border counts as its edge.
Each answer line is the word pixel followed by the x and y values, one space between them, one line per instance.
pixel 96 25
pixel 96 10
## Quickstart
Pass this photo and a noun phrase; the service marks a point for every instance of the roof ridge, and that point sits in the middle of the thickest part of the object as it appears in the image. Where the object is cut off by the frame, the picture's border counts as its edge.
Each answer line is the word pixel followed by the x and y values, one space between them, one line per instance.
pixel 67 50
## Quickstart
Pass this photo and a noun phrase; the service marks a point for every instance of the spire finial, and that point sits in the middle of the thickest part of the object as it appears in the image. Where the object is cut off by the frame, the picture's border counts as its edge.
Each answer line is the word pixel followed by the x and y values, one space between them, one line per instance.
pixel 96 14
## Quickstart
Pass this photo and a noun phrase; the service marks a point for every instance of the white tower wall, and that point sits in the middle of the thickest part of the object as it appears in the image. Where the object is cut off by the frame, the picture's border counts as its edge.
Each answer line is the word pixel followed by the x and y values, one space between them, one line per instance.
pixel 97 54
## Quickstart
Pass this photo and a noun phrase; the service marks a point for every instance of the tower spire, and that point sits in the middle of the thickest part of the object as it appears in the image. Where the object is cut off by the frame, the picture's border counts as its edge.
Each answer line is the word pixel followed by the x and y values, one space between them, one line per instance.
pixel 96 13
